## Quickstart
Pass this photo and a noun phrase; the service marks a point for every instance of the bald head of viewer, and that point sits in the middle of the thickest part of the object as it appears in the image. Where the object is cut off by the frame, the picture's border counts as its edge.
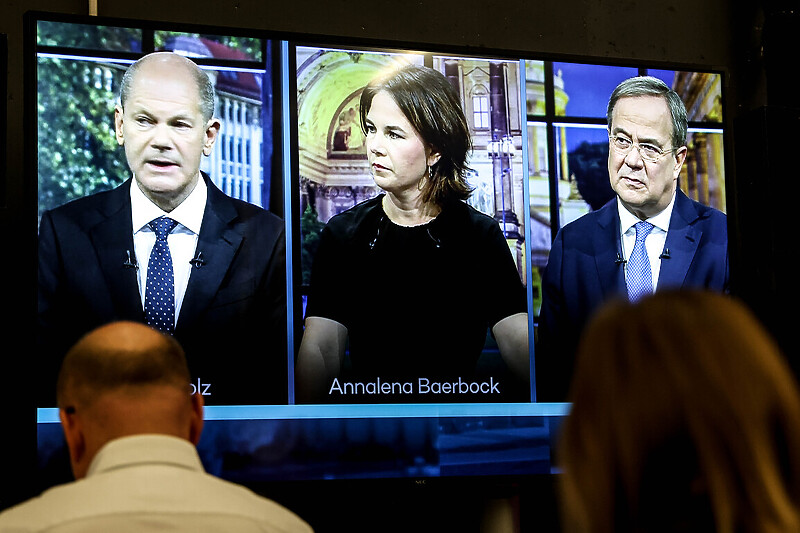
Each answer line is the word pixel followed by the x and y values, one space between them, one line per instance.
pixel 124 379
pixel 131 425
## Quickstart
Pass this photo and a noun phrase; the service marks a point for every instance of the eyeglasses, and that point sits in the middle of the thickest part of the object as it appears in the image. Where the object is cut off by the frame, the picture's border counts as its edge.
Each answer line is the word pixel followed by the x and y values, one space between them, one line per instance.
pixel 648 152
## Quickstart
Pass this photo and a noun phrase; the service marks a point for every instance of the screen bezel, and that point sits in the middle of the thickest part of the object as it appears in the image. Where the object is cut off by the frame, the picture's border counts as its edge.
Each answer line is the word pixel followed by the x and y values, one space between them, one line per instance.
pixel 288 159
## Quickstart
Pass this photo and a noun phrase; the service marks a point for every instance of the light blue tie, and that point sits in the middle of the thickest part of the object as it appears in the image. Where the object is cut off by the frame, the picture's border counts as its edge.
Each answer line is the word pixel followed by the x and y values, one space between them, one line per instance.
pixel 639 275
pixel 159 295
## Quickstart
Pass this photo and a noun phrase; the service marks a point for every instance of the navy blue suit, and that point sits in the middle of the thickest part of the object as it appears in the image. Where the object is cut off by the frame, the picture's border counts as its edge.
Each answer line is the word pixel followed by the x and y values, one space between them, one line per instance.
pixel 232 322
pixel 585 270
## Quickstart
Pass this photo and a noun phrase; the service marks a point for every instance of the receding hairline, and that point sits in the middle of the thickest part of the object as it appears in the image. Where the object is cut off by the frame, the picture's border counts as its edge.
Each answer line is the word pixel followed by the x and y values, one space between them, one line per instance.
pixel 120 356
pixel 204 86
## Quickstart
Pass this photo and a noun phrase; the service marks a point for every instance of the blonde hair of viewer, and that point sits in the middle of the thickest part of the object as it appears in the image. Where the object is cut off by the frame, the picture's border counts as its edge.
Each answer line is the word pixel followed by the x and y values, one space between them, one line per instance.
pixel 685 417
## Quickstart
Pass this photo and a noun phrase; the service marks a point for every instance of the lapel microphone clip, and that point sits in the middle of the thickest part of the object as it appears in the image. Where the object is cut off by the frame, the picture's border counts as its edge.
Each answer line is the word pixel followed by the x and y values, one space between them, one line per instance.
pixel 130 261
pixel 198 261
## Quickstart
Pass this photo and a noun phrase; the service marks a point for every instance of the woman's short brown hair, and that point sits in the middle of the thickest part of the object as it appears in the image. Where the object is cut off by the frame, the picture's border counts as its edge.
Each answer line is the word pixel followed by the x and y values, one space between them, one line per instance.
pixel 433 107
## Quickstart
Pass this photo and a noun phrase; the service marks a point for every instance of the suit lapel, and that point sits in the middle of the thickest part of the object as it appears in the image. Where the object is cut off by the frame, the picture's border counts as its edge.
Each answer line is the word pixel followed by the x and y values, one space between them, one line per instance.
pixel 112 239
pixel 683 238
pixel 218 243
pixel 607 248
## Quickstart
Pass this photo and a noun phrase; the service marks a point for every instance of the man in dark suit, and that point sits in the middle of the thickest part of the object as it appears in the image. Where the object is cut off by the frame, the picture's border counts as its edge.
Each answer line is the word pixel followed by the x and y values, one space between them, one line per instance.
pixel 222 260
pixel 650 237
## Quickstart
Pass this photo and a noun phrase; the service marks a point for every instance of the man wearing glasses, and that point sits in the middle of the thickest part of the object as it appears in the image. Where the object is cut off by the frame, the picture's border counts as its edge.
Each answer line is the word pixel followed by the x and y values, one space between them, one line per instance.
pixel 650 237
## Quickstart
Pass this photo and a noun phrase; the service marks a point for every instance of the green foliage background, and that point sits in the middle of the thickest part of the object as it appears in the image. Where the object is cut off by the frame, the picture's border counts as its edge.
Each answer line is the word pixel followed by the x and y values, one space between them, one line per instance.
pixel 78 153
pixel 311 228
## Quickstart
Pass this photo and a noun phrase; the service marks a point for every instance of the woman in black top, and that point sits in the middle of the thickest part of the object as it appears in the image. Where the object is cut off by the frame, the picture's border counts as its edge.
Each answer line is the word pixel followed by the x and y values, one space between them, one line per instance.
pixel 412 279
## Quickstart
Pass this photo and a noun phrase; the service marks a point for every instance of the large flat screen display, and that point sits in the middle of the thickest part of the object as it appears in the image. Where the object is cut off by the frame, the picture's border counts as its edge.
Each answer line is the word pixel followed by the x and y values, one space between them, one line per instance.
pixel 292 142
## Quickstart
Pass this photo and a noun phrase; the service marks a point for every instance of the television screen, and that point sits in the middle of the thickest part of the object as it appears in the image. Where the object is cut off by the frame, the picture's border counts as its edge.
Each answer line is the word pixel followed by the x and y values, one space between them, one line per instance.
pixel 396 352
pixel 292 142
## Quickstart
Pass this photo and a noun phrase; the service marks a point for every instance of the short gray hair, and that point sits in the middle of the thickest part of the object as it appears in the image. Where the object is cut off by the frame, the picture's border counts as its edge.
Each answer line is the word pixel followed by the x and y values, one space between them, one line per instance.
pixel 650 86
pixel 205 88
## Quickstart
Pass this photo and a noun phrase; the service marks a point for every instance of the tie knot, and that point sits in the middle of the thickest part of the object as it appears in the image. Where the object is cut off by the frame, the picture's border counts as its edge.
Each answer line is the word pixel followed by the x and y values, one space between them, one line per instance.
pixel 643 229
pixel 162 226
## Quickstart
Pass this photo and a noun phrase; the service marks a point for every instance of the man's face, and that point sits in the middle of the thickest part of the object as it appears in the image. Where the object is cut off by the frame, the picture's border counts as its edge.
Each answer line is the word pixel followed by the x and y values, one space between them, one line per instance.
pixel 163 131
pixel 644 187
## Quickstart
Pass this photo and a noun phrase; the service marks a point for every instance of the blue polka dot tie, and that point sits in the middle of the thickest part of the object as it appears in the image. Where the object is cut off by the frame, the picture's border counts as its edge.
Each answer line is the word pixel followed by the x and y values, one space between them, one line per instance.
pixel 639 275
pixel 159 295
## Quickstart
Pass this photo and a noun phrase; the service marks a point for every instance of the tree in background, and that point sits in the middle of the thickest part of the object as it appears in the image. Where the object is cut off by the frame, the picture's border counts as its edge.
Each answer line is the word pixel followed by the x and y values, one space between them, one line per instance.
pixel 78 153
pixel 311 229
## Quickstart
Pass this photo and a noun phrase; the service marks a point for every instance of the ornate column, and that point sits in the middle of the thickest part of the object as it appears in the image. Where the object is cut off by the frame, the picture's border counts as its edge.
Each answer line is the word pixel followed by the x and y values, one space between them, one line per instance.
pixel 501 151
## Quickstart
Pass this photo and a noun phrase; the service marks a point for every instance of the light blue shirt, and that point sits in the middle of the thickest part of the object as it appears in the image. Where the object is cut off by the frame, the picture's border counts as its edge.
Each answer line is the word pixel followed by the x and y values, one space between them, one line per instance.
pixel 149 483
pixel 655 241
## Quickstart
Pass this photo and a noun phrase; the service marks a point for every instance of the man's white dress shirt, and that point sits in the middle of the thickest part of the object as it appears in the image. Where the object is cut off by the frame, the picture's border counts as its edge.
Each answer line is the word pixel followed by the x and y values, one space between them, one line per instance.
pixel 655 241
pixel 182 241
pixel 149 483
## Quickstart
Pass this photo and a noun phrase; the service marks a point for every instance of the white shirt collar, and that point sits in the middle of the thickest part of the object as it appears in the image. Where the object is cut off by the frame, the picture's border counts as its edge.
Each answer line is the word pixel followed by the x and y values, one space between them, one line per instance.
pixel 143 448
pixel 661 221
pixel 188 214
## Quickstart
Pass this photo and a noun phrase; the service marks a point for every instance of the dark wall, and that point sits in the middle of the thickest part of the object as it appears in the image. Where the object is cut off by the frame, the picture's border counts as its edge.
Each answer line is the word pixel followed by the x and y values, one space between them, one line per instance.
pixel 766 132
pixel 741 40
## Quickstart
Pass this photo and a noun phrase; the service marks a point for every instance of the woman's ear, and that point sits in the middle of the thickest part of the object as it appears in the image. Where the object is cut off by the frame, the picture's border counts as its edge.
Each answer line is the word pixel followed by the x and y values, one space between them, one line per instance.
pixel 433 157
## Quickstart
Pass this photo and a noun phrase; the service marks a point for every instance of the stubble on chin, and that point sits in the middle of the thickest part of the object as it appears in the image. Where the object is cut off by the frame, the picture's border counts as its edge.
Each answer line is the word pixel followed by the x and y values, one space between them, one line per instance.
pixel 162 191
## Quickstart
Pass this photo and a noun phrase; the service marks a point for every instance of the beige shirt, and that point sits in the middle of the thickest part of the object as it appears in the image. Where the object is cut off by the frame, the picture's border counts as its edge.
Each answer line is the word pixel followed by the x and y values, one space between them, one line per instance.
pixel 149 483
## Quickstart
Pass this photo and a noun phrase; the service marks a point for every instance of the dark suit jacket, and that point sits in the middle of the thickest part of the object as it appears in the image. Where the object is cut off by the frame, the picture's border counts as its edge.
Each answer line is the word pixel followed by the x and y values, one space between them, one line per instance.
pixel 583 272
pixel 232 322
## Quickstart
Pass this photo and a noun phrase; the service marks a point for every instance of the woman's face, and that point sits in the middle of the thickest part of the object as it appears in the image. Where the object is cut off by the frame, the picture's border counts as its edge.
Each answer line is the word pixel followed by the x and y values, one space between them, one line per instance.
pixel 397 154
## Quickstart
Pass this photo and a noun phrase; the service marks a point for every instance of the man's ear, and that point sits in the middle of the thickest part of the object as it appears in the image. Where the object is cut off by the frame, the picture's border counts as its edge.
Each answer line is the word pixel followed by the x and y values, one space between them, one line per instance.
pixel 73 434
pixel 118 125
pixel 680 157
pixel 212 132
pixel 196 422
